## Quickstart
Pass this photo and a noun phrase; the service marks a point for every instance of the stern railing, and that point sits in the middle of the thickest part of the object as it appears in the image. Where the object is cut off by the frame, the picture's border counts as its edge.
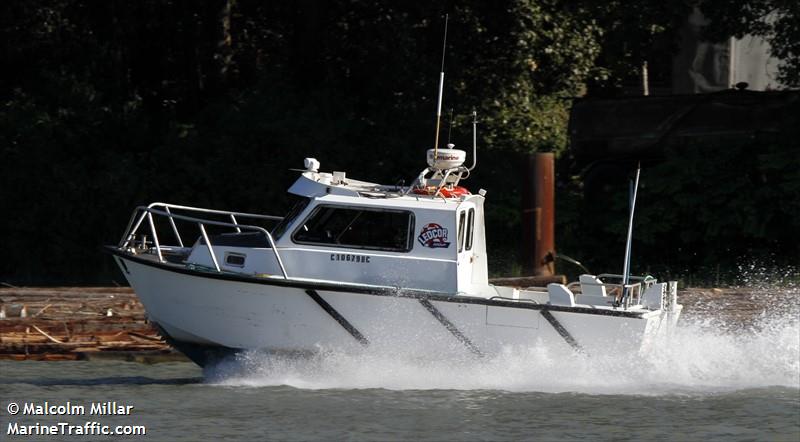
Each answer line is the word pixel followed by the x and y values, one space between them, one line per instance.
pixel 635 288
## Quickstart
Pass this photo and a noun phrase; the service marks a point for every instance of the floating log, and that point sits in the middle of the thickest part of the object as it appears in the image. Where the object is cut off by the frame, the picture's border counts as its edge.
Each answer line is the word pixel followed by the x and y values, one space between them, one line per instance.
pixel 67 323
pixel 46 335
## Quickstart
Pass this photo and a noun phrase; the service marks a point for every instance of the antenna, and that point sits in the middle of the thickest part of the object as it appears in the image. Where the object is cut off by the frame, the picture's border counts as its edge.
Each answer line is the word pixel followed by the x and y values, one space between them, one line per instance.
pixel 450 129
pixel 474 139
pixel 626 269
pixel 441 86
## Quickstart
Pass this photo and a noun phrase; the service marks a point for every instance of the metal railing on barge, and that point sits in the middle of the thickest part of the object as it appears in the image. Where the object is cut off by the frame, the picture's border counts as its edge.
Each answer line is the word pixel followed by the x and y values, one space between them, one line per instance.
pixel 146 212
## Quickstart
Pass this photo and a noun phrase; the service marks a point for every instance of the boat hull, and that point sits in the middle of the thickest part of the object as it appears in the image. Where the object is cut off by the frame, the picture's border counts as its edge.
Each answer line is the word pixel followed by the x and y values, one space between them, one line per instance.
pixel 208 315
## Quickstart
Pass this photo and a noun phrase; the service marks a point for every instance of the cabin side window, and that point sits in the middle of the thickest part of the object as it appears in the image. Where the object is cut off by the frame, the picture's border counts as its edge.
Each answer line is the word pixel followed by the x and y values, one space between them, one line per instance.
pixel 377 229
pixel 296 210
pixel 461 220
pixel 470 228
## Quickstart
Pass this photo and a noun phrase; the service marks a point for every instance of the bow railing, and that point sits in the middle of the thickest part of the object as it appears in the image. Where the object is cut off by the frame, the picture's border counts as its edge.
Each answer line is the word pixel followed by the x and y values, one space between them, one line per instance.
pixel 164 210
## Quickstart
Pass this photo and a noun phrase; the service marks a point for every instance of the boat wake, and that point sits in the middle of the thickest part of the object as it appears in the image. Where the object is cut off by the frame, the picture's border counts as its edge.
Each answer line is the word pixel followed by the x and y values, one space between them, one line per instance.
pixel 706 354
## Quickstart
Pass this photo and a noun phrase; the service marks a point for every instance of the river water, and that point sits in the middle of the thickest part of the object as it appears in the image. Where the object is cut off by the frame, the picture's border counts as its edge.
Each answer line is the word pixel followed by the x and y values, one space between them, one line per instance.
pixel 711 381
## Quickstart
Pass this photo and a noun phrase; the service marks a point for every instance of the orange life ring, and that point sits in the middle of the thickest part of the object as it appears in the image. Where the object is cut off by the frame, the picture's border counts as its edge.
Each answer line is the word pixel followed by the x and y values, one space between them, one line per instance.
pixel 455 192
pixel 424 190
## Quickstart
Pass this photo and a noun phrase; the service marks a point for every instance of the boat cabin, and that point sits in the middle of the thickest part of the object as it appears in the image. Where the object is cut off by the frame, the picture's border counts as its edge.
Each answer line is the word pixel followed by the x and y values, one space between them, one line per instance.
pixel 356 232
pixel 427 237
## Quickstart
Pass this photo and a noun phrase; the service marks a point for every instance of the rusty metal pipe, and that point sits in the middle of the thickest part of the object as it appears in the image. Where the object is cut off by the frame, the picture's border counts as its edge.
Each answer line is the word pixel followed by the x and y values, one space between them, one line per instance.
pixel 538 214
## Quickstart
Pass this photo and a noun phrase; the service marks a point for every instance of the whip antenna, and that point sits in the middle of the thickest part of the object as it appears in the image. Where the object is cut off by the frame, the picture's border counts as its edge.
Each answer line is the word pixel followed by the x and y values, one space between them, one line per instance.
pixel 441 86
pixel 626 269
pixel 474 139
pixel 450 128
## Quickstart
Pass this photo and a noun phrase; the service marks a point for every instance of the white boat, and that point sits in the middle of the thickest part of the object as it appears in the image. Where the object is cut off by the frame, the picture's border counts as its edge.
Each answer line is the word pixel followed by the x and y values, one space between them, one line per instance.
pixel 356 265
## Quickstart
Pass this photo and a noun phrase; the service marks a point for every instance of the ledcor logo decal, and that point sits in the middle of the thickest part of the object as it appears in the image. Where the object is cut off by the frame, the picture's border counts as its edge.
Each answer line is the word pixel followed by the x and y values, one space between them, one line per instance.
pixel 434 236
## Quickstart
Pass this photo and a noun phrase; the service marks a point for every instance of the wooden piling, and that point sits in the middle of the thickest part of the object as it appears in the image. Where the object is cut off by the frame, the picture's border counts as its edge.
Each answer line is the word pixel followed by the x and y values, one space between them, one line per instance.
pixel 538 214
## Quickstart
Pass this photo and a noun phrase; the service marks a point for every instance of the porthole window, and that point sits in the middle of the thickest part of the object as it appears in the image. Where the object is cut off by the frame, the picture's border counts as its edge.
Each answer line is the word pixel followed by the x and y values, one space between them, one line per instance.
pixel 235 259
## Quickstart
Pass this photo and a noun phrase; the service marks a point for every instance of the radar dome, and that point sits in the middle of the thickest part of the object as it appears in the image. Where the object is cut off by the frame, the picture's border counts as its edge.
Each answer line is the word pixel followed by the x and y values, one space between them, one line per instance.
pixel 446 158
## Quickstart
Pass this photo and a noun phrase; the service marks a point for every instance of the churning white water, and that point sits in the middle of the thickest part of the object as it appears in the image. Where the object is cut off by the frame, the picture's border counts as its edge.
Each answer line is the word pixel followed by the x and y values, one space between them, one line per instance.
pixel 706 354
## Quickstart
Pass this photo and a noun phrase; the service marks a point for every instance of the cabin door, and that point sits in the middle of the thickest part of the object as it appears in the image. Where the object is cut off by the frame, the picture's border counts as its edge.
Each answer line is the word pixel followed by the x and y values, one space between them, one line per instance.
pixel 466 231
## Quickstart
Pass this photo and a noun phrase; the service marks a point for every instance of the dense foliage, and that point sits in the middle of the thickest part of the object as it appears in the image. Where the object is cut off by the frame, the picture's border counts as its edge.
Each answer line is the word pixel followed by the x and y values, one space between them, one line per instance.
pixel 108 105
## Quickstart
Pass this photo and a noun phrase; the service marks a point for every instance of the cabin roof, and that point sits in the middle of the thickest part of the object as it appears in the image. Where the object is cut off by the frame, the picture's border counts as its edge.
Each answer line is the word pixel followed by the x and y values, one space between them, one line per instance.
pixel 325 186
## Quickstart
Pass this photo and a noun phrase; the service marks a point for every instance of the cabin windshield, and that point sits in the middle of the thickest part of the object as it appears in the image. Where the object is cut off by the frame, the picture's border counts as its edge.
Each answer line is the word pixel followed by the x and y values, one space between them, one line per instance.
pixel 296 210
pixel 358 227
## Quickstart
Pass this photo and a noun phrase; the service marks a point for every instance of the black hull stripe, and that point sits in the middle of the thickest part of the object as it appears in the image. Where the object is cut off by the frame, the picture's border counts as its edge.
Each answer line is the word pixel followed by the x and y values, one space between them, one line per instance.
pixel 376 291
pixel 450 327
pixel 561 330
pixel 338 317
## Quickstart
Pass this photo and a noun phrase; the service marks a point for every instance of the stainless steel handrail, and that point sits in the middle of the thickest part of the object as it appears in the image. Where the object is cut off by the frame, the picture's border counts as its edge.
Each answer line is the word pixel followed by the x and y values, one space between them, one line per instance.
pixel 149 210
pixel 175 228
pixel 208 246
pixel 126 238
pixel 215 211
pixel 635 290
pixel 646 278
